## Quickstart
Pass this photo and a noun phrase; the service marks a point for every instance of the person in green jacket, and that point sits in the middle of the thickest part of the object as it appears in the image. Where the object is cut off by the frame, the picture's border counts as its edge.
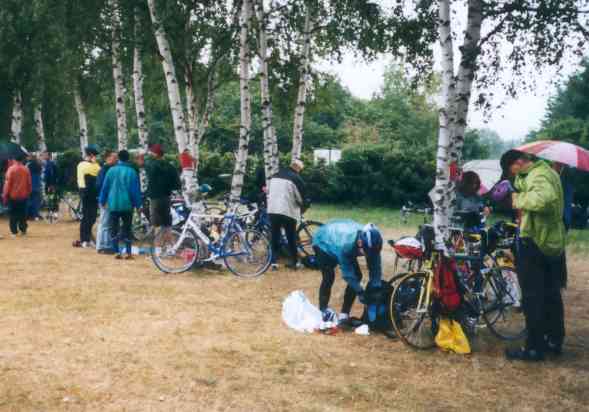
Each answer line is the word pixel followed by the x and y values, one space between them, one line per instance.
pixel 540 258
pixel 121 194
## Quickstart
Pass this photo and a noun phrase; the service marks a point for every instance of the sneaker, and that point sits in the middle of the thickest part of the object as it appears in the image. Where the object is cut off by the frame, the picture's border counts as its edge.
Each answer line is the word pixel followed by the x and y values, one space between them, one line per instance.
pixel 89 245
pixel 522 354
pixel 274 267
pixel 343 318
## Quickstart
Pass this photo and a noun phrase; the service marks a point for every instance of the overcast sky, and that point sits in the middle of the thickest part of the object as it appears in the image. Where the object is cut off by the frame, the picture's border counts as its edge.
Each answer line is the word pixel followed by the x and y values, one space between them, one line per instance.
pixel 512 121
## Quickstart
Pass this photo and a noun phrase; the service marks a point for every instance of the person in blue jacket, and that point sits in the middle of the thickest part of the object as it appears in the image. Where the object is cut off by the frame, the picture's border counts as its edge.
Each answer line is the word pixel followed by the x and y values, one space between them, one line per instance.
pixel 339 243
pixel 121 193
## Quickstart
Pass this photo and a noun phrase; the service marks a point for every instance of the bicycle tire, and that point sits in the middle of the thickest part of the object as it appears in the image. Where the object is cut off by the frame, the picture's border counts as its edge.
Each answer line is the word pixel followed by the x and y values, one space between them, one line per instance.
pixel 247 249
pixel 186 254
pixel 404 300
pixel 305 233
pixel 504 315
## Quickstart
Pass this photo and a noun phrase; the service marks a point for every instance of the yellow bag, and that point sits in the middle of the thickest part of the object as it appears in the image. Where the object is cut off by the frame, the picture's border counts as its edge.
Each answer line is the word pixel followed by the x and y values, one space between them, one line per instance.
pixel 451 337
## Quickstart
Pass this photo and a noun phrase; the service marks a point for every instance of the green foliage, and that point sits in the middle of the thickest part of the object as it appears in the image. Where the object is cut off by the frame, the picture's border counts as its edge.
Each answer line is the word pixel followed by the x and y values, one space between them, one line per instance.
pixel 66 167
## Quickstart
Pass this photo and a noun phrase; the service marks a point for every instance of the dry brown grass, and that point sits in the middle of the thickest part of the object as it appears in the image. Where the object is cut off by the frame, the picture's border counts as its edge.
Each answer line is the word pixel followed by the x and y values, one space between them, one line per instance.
pixel 85 332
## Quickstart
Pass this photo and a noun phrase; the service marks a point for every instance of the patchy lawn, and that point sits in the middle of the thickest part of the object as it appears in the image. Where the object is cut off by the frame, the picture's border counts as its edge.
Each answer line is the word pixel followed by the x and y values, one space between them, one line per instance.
pixel 81 331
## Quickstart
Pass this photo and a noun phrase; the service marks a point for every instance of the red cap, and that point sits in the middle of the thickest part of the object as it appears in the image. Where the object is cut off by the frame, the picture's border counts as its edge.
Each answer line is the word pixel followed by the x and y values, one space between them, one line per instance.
pixel 156 149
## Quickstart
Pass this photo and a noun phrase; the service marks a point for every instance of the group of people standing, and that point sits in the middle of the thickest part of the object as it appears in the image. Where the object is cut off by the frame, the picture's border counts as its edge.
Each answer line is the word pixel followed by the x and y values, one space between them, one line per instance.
pixel 28 180
pixel 115 190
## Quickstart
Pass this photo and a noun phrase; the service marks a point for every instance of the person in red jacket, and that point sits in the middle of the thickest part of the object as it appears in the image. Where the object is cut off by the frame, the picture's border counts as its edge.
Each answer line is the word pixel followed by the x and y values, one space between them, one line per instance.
pixel 17 189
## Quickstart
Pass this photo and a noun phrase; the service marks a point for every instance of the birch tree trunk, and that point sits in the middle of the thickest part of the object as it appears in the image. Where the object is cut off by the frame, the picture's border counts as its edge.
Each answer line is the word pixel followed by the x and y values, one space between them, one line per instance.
pixel 40 129
pixel 305 74
pixel 139 100
pixel 82 118
pixel 246 114
pixel 270 142
pixel 465 78
pixel 117 72
pixel 441 194
pixel 171 78
pixel 17 118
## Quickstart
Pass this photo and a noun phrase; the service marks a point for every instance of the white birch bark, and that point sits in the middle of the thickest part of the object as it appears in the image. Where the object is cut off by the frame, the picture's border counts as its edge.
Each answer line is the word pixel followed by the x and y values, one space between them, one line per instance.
pixel 139 100
pixel 189 181
pixel 117 73
pixel 39 128
pixel 441 194
pixel 465 78
pixel 305 74
pixel 82 118
pixel 16 124
pixel 171 79
pixel 246 119
pixel 269 132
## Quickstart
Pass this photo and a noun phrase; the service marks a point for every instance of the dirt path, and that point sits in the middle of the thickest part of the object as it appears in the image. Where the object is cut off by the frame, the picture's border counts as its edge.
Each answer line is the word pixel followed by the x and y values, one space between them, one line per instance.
pixel 82 332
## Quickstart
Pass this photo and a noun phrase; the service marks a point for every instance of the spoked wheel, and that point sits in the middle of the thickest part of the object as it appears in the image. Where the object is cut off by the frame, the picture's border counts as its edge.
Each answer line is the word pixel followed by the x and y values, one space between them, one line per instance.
pixel 411 311
pixel 174 252
pixel 503 311
pixel 305 237
pixel 247 253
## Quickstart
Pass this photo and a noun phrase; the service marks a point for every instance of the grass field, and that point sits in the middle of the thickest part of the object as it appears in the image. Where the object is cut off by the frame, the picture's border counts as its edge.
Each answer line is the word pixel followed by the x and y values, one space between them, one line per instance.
pixel 83 332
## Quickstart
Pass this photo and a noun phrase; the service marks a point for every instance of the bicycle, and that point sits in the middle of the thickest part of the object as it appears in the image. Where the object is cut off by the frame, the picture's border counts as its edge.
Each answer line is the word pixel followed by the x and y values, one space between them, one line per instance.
pixel 74 206
pixel 490 298
pixel 409 208
pixel 245 252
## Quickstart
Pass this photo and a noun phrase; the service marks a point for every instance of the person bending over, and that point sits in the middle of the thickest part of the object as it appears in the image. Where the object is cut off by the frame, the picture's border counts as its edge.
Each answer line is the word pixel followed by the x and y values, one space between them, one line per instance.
pixel 339 243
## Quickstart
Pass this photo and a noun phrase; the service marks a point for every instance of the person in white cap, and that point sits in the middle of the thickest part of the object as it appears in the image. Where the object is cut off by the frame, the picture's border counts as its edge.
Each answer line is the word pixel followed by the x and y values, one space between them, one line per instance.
pixel 286 201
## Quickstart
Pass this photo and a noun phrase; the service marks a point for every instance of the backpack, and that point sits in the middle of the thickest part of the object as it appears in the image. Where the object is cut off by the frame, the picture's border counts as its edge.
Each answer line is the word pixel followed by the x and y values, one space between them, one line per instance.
pixel 376 311
pixel 446 284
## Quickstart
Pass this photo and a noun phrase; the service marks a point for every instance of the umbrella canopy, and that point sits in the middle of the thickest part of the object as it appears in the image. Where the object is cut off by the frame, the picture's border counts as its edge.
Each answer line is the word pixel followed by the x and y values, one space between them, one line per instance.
pixel 11 150
pixel 489 172
pixel 561 152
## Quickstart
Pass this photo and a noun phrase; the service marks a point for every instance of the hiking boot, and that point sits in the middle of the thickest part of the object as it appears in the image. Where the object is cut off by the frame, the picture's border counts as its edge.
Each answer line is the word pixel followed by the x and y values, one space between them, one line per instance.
pixel 522 354
pixel 274 267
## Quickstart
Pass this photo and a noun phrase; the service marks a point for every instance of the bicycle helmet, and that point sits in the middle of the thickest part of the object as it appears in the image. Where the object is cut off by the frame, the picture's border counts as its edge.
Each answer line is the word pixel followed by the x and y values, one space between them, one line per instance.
pixel 205 188
pixel 371 239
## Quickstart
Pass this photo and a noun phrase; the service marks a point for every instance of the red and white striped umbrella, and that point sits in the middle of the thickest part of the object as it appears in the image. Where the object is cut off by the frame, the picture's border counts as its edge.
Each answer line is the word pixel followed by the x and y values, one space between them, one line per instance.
pixel 561 152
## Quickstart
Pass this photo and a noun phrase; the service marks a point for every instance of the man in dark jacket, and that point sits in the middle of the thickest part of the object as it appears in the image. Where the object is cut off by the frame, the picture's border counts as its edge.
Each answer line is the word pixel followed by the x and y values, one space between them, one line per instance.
pixel 34 206
pixel 121 193
pixel 162 180
pixel 286 201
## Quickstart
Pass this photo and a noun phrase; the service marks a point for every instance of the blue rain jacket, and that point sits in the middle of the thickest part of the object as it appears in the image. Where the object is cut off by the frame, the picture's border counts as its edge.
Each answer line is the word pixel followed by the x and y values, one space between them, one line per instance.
pixel 338 239
pixel 121 190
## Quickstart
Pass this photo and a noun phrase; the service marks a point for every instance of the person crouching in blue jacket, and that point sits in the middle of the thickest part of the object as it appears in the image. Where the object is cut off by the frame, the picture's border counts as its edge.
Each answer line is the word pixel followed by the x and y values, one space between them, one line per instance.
pixel 121 193
pixel 340 242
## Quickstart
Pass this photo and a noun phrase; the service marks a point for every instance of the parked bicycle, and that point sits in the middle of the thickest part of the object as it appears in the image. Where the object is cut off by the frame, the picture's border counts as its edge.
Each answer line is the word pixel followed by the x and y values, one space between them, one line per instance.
pixel 245 252
pixel 490 297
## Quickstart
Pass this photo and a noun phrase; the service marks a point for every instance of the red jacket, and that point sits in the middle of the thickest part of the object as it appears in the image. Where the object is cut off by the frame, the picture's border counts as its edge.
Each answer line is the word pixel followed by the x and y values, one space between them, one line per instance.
pixel 18 185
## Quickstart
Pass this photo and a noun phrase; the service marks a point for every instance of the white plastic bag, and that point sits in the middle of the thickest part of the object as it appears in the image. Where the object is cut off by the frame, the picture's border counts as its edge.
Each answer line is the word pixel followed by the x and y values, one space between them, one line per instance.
pixel 300 314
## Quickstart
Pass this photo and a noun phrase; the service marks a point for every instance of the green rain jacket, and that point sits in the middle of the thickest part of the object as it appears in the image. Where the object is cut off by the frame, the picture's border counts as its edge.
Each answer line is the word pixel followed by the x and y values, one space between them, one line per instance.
pixel 541 201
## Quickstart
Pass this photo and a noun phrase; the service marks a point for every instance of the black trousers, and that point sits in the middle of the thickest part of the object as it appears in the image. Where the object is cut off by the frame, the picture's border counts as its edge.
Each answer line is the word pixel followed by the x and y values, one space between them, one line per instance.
pixel 120 232
pixel 327 264
pixel 17 210
pixel 277 223
pixel 541 278
pixel 89 215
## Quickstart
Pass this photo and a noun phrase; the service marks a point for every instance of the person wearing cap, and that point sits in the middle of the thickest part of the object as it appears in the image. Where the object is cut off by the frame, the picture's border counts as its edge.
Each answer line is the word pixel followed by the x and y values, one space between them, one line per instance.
pixel 87 173
pixel 339 243
pixel 162 180
pixel 540 258
pixel 286 201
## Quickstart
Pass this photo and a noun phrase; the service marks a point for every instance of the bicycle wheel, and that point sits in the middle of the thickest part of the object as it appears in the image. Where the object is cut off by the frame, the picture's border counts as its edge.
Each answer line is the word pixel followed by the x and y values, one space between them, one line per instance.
pixel 173 252
pixel 305 233
pixel 411 312
pixel 141 229
pixel 247 253
pixel 503 311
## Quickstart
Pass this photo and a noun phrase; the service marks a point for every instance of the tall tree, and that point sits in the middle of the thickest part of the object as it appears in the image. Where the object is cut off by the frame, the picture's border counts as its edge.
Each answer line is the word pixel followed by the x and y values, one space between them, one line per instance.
pixel 173 87
pixel 118 76
pixel 16 126
pixel 246 109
